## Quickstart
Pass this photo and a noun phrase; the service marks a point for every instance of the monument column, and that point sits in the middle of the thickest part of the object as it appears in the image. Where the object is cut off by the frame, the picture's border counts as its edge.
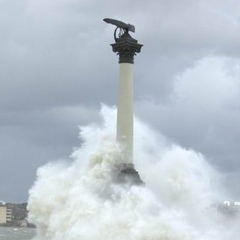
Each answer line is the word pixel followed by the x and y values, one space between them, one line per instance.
pixel 126 47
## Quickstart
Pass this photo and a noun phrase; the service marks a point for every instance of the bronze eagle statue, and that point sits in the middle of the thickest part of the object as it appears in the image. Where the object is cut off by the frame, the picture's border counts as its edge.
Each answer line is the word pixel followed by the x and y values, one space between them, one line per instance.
pixel 124 27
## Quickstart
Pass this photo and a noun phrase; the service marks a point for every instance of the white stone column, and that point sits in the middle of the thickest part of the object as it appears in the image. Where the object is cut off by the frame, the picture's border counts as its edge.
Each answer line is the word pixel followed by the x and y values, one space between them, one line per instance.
pixel 126 48
pixel 125 111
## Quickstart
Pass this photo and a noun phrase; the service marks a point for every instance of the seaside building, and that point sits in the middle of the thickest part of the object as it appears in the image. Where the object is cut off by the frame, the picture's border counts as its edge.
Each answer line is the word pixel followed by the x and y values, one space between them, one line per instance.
pixel 9 214
pixel 5 213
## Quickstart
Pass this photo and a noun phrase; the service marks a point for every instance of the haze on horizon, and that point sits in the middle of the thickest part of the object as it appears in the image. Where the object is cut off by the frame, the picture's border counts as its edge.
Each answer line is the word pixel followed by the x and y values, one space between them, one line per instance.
pixel 57 68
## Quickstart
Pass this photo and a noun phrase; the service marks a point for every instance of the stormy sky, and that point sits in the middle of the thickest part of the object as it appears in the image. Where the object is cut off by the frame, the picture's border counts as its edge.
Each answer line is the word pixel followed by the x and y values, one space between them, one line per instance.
pixel 56 68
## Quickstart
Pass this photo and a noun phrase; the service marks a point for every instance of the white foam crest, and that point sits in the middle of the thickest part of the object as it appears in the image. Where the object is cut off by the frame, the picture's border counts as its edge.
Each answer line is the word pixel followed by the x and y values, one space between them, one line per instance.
pixel 78 200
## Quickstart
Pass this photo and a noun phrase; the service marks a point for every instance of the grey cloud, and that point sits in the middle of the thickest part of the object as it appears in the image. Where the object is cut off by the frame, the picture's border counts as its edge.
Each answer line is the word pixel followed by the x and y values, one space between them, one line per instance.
pixel 203 111
pixel 31 139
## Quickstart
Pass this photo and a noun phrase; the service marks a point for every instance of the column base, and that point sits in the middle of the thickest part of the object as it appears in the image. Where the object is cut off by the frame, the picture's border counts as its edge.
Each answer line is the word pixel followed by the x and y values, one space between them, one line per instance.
pixel 126 173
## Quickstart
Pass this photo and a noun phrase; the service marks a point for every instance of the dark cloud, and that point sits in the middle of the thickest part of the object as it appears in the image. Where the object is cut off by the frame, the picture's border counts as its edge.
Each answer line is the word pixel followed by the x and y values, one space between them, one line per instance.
pixel 57 67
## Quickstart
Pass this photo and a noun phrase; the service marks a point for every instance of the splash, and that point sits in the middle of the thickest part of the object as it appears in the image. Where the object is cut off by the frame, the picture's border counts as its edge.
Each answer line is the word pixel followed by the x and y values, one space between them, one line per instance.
pixel 79 200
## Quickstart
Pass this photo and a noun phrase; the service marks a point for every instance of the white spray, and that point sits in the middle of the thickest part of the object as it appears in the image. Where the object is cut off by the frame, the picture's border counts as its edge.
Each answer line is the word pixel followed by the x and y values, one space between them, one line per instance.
pixel 79 201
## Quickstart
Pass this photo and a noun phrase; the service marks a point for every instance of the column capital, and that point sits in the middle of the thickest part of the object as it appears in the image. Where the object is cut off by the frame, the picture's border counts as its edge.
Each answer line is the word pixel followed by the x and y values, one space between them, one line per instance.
pixel 126 47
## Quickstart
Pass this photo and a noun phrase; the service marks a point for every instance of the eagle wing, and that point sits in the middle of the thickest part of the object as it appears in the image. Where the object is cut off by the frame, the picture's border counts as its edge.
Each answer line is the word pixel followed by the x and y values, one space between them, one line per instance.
pixel 120 24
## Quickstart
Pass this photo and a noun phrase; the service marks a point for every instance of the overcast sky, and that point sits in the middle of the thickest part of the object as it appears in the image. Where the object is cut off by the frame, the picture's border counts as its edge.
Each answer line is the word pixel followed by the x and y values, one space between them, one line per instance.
pixel 56 68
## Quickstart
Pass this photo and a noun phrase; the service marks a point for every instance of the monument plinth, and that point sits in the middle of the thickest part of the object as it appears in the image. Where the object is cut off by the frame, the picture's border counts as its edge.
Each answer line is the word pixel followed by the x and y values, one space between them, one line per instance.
pixel 126 47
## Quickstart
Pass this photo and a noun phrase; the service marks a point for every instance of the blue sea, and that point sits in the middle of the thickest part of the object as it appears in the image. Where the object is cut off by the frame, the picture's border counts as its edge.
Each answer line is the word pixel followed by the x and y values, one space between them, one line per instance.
pixel 8 233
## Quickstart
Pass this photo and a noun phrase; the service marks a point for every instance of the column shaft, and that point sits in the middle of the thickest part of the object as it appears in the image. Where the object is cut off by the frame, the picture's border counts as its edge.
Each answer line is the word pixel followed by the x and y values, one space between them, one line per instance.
pixel 125 111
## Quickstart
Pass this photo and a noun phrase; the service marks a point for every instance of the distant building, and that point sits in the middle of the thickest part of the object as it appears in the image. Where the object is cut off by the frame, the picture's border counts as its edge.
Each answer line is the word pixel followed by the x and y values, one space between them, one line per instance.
pixel 5 213
pixel 236 204
pixel 9 214
pixel 230 208
pixel 232 204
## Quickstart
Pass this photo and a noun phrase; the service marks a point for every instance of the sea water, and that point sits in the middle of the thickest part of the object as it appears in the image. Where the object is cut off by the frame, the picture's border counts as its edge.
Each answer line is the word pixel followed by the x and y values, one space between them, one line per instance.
pixel 78 199
pixel 9 233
